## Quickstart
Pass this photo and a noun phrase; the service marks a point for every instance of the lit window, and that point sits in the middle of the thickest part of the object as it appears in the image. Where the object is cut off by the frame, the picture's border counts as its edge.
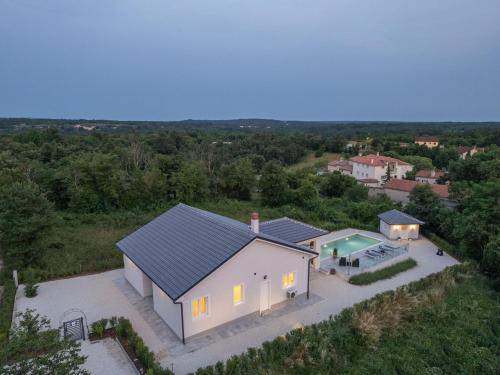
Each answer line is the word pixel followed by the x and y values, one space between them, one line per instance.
pixel 199 307
pixel 237 294
pixel 288 280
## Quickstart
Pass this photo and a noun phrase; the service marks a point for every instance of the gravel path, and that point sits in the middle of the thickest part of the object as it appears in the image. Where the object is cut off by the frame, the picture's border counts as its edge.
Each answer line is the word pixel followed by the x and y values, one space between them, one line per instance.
pixel 106 357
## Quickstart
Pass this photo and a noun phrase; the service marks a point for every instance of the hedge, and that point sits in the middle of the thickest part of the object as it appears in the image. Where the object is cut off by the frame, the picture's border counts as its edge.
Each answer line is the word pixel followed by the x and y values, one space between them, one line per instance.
pixel 6 309
pixel 384 273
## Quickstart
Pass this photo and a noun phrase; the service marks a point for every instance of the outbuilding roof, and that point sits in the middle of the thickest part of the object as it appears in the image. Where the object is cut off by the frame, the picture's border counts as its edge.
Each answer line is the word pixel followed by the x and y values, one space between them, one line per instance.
pixel 397 217
pixel 291 230
pixel 184 245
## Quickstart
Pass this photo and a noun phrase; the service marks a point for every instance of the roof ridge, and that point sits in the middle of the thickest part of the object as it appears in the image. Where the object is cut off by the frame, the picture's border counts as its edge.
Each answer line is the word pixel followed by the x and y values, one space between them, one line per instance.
pixel 212 219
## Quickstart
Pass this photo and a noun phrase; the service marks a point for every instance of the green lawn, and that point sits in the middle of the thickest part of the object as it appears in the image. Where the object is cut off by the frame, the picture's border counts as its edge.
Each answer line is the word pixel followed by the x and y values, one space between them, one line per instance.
pixel 81 244
pixel 384 273
pixel 312 161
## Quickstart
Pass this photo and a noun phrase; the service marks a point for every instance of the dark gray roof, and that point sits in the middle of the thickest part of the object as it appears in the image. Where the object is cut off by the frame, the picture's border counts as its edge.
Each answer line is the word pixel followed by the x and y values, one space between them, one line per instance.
pixel 184 245
pixel 398 217
pixel 290 230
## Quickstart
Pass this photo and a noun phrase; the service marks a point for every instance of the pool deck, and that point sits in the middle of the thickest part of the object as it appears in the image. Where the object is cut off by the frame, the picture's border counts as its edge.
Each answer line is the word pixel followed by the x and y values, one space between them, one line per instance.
pixel 345 272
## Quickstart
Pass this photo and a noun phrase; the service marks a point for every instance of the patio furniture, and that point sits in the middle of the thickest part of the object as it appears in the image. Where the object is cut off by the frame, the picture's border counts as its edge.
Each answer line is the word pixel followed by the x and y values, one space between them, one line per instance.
pixel 355 262
pixel 379 252
pixel 343 262
pixel 386 249
pixel 372 255
pixel 389 246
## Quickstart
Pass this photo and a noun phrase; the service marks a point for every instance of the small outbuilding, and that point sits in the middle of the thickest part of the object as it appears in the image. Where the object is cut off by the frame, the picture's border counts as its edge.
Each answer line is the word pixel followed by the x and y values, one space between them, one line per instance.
pixel 395 225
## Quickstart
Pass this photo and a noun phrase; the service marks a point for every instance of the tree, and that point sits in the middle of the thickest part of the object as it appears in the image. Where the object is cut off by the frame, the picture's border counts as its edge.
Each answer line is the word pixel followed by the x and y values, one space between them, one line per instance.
pixel 425 205
pixel 191 183
pixel 419 162
pixel 388 173
pixel 490 264
pixel 34 348
pixel 306 193
pixel 273 184
pixel 25 215
pixel 335 184
pixel 357 193
pixel 238 179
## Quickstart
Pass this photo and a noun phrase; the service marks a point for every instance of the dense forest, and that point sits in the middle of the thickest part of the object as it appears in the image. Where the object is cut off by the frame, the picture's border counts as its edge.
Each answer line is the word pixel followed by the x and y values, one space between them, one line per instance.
pixel 69 190
pixel 51 178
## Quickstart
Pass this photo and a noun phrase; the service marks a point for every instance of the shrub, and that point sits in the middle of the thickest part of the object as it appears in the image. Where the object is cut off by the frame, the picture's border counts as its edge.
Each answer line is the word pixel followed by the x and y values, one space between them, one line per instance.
pixel 384 273
pixel 30 287
pixel 99 327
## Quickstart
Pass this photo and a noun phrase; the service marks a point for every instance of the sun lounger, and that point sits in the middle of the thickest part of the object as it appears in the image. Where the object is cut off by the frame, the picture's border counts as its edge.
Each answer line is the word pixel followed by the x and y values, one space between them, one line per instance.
pixel 371 254
pixel 380 252
pixel 386 249
pixel 389 246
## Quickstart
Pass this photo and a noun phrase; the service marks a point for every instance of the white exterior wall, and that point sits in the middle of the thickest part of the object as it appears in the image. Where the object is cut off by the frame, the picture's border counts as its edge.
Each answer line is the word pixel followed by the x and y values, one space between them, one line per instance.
pixel 362 171
pixel 137 278
pixel 393 232
pixel 168 311
pixel 248 267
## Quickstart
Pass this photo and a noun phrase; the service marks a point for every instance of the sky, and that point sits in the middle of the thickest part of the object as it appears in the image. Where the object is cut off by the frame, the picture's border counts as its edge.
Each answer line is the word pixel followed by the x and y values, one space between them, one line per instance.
pixel 400 60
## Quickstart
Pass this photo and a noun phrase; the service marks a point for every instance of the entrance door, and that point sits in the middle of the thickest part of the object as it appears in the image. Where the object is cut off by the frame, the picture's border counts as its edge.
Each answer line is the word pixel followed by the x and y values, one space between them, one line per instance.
pixel 265 296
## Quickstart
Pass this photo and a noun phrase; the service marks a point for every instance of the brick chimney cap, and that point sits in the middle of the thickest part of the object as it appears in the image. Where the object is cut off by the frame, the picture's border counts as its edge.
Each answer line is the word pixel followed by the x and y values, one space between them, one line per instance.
pixel 255 216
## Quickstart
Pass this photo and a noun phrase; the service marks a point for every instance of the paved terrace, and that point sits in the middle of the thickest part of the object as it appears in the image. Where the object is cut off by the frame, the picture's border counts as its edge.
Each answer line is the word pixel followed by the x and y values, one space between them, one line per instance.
pixel 108 294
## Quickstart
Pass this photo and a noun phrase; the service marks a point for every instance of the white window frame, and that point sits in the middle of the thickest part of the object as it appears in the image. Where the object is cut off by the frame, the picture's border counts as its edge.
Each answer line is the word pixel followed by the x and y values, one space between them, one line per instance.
pixel 294 280
pixel 242 295
pixel 209 308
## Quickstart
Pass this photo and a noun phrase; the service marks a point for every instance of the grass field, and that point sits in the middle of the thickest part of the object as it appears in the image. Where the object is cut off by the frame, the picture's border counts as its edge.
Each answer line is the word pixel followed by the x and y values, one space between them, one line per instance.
pixel 313 161
pixel 384 273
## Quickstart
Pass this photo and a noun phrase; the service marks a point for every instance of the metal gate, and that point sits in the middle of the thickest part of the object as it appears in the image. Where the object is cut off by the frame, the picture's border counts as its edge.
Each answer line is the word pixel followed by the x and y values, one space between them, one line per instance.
pixel 73 329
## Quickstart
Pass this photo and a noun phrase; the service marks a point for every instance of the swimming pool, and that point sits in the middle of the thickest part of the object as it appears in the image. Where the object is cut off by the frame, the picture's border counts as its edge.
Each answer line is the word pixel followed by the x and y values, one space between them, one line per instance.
pixel 347 245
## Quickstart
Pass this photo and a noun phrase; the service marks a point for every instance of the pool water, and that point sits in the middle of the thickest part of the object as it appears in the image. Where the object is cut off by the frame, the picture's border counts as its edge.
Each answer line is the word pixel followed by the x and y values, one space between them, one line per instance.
pixel 347 245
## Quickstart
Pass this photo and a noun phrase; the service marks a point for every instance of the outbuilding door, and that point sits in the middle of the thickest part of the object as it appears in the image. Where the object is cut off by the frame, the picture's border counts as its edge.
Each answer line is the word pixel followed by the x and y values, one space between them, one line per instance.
pixel 265 295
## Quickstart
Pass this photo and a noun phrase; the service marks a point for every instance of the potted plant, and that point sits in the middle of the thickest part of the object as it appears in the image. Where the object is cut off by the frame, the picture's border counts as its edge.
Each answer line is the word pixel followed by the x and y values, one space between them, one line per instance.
pixel 335 253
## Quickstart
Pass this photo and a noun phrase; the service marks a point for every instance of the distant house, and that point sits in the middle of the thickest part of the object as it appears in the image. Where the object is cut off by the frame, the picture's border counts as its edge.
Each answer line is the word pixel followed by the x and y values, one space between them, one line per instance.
pixel 428 176
pixel 464 151
pixel 426 141
pixel 374 167
pixel 203 269
pixel 399 191
pixel 342 166
pixel 395 224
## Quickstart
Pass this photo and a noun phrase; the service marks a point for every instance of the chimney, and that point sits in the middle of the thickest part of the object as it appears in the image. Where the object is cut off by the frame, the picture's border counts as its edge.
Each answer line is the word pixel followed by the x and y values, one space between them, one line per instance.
pixel 378 153
pixel 433 172
pixel 254 222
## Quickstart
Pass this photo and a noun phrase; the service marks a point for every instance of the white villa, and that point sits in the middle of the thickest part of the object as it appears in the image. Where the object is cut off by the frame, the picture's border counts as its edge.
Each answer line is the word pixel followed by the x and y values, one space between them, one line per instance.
pixel 371 170
pixel 204 270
